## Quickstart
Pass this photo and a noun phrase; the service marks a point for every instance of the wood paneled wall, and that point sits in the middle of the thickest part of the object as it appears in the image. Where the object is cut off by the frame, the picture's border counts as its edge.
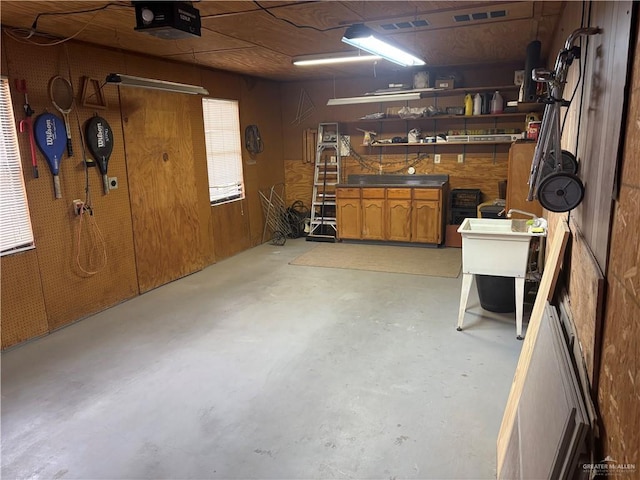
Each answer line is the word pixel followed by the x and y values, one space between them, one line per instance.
pixel 43 289
pixel 606 308
pixel 619 384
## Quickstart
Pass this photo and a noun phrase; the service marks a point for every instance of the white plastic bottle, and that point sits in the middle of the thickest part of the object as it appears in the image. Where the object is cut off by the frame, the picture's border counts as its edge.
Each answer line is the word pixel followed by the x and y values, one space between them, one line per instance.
pixel 497 104
pixel 477 104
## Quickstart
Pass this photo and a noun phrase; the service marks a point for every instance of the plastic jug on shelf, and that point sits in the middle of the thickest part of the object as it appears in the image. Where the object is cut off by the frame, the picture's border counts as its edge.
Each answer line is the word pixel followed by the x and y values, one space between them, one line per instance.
pixel 468 105
pixel 477 104
pixel 497 104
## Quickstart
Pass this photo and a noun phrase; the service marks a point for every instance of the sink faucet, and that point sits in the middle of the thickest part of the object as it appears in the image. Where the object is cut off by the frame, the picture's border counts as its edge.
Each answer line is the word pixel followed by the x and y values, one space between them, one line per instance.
pixel 537 221
pixel 515 210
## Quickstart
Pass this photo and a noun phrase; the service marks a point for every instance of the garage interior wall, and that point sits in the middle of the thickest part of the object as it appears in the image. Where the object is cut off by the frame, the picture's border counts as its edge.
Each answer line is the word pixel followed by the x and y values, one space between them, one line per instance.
pixel 600 270
pixel 158 224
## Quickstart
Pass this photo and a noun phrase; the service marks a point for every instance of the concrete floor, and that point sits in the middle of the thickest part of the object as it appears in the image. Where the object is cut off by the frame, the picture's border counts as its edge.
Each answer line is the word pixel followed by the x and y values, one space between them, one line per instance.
pixel 254 368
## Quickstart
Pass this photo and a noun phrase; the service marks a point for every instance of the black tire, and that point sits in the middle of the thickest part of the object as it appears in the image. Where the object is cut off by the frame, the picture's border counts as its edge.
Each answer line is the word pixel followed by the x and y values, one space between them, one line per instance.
pixel 560 192
pixel 569 164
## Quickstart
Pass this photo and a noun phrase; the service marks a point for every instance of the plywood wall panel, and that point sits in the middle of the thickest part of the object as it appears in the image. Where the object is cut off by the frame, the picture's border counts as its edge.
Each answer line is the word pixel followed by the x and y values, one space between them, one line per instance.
pixel 618 393
pixel 586 294
pixel 22 305
pixel 298 181
pixel 619 385
pixel 161 176
pixel 231 229
pixel 260 106
pixel 207 252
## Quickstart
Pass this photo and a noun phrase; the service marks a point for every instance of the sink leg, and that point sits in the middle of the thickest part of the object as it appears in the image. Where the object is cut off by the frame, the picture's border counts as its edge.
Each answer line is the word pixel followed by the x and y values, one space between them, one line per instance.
pixel 467 278
pixel 519 306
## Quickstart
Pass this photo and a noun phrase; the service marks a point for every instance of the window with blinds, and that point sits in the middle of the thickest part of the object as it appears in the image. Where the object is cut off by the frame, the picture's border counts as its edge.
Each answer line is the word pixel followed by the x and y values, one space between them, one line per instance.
pixel 224 155
pixel 15 224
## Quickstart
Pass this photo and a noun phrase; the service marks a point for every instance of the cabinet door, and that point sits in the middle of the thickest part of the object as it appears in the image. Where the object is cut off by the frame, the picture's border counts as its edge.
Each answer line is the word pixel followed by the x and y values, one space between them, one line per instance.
pixel 399 220
pixel 373 219
pixel 349 218
pixel 426 221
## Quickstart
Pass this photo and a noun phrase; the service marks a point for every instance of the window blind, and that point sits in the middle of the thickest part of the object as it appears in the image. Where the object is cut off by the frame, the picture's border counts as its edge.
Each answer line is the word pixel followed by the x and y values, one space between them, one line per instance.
pixel 224 154
pixel 16 233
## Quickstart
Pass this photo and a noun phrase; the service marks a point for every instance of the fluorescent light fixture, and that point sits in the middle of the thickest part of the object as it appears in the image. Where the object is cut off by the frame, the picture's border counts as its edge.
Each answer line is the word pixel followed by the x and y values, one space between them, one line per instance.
pixel 393 97
pixel 363 37
pixel 131 81
pixel 327 58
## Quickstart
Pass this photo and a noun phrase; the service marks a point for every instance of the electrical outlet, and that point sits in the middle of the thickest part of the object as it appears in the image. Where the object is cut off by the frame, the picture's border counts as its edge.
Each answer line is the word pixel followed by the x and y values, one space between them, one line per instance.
pixel 461 158
pixel 436 158
pixel 78 206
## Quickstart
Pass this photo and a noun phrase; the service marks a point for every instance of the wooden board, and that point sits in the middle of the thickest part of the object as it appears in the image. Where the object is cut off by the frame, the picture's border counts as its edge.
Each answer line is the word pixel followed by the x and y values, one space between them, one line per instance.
pixel 161 176
pixel 586 293
pixel 299 181
pixel 520 157
pixel 545 292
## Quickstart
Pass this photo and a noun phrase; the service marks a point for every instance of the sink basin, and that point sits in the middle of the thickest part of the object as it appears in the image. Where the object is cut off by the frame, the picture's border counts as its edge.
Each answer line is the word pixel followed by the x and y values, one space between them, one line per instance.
pixel 496 226
pixel 493 246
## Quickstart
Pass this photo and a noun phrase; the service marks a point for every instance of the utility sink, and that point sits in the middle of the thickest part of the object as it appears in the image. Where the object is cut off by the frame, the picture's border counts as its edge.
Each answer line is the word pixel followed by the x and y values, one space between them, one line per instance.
pixel 493 246
pixel 497 226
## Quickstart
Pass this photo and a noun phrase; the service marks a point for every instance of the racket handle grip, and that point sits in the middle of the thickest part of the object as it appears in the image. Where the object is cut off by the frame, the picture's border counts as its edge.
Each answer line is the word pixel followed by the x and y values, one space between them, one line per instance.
pixel 105 183
pixel 69 147
pixel 56 186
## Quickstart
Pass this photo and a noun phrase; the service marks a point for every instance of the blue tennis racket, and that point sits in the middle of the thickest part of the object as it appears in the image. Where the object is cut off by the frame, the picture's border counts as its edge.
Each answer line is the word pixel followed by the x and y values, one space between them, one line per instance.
pixel 51 138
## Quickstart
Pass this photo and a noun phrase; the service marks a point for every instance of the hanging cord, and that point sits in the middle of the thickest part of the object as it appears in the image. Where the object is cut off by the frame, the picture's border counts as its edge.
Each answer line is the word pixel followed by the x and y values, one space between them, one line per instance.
pixel 97 246
pixel 376 165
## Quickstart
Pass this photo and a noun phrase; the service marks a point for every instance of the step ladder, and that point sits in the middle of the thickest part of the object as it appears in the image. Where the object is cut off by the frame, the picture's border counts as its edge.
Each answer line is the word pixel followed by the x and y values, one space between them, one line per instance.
pixel 323 227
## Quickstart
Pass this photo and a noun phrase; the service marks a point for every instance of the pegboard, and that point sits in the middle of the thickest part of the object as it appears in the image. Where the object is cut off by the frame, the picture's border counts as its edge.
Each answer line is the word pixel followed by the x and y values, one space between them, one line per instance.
pixel 23 311
pixel 68 293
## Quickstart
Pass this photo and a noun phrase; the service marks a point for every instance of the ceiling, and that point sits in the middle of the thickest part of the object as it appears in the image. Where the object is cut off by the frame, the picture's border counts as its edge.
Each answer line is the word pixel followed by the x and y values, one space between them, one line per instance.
pixel 261 38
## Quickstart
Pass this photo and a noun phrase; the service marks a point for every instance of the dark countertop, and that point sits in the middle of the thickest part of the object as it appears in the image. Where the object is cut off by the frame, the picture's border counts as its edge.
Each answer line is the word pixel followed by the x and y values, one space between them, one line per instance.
pixel 391 185
pixel 390 181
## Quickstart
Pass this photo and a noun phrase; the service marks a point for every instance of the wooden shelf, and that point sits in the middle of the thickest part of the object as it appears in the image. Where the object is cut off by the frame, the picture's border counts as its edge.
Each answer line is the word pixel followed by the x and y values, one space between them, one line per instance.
pixel 443 92
pixel 435 118
pixel 437 144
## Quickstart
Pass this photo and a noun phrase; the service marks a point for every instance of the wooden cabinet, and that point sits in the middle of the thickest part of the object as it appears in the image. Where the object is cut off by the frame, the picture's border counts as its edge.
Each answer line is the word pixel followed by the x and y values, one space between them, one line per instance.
pixel 373 213
pixel 398 214
pixel 427 216
pixel 520 157
pixel 349 213
pixel 390 214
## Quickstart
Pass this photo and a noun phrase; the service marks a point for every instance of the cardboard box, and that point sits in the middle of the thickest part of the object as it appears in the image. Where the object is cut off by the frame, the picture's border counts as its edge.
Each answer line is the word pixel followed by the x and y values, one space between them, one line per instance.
pixel 393 112
pixel 446 83
pixel 452 237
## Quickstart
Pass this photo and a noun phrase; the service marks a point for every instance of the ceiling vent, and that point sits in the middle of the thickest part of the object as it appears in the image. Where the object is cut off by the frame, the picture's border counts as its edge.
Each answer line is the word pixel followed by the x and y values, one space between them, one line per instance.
pixel 452 18
pixel 405 25
pixel 475 16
